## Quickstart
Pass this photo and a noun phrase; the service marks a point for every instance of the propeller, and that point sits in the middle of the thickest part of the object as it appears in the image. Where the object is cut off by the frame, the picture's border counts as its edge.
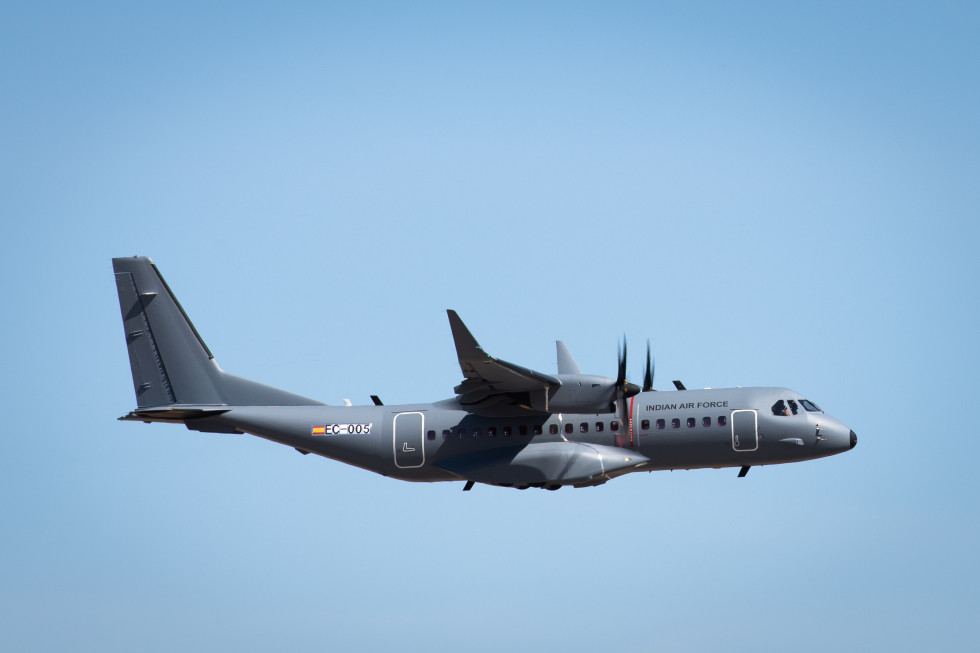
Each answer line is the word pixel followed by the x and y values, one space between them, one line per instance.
pixel 648 374
pixel 624 389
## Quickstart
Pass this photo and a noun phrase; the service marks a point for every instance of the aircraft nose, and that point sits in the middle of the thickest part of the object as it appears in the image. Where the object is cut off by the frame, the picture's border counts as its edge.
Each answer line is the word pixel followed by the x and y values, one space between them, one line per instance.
pixel 854 440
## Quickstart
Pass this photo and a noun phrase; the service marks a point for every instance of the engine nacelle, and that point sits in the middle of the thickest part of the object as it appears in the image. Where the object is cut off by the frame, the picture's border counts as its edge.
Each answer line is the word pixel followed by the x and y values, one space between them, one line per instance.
pixel 578 393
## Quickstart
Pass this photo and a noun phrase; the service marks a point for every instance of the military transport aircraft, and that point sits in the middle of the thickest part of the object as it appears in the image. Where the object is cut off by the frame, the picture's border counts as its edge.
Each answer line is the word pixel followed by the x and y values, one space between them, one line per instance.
pixel 507 425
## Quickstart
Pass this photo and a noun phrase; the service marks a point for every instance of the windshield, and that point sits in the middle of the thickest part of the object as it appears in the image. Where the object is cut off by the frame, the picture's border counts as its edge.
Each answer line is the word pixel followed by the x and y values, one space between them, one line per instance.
pixel 787 407
pixel 810 406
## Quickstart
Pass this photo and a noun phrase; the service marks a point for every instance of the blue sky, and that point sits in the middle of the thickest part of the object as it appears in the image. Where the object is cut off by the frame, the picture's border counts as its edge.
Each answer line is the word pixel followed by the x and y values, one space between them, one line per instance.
pixel 772 194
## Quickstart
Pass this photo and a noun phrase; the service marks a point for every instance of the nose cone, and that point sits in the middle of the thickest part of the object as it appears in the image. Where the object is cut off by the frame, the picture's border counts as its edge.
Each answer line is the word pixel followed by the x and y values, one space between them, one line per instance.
pixel 833 436
pixel 631 389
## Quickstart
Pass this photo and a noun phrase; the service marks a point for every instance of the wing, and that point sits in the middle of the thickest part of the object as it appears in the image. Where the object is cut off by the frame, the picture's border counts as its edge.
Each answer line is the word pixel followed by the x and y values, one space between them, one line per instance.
pixel 495 387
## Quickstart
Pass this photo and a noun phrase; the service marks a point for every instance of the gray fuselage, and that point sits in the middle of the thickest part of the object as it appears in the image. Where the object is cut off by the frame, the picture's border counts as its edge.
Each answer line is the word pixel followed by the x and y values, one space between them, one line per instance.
pixel 730 427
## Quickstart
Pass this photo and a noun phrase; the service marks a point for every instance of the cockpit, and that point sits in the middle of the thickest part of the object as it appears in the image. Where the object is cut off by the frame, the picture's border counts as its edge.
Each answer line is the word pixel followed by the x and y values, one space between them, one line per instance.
pixel 787 407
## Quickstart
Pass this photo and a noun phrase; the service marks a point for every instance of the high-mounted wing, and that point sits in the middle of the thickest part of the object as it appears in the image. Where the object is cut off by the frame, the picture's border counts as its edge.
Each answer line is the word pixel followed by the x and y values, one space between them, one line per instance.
pixel 495 387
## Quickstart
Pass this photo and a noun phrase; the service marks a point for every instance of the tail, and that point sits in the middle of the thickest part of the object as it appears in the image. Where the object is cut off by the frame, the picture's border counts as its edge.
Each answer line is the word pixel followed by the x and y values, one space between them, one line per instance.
pixel 174 372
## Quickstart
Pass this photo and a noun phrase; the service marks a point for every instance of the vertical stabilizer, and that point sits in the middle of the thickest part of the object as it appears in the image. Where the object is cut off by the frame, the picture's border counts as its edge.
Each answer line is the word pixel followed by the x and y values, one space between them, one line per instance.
pixel 170 363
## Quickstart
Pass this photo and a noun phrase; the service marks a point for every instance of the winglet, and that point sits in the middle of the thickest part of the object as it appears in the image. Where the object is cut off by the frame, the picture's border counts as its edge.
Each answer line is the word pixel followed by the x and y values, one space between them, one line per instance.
pixel 489 380
pixel 466 345
pixel 566 364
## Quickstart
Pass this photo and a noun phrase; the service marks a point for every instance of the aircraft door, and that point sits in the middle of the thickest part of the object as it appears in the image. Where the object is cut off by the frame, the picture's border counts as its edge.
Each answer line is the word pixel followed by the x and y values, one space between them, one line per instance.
pixel 745 430
pixel 407 439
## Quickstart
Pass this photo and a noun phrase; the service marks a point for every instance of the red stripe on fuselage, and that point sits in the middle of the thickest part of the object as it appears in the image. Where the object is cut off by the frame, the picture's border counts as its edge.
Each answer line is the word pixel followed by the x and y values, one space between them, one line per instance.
pixel 631 421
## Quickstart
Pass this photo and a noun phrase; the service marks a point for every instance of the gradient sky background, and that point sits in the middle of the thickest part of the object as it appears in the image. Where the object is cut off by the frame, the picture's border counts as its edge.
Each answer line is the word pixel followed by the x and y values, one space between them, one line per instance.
pixel 773 194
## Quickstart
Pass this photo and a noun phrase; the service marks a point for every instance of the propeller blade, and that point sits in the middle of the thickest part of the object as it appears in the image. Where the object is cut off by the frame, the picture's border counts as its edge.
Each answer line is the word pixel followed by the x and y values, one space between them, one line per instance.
pixel 624 389
pixel 621 360
pixel 648 374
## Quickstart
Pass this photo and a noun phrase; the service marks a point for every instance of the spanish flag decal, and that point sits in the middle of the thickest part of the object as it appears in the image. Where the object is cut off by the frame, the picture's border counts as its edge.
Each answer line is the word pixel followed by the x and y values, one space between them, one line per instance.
pixel 319 430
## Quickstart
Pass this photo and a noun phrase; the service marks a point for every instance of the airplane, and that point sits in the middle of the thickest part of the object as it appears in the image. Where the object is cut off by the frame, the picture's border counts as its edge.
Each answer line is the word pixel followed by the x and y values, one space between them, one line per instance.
pixel 507 425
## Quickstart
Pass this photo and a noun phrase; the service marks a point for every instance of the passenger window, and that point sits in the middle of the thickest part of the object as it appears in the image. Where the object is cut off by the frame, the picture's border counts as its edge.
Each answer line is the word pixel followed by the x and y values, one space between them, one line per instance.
pixel 476 433
pixel 793 407
pixel 583 427
pixel 722 420
pixel 508 430
pixel 491 431
pixel 598 427
pixel 691 422
pixel 661 424
pixel 537 429
pixel 569 428
pixel 675 423
pixel 462 431
pixel 553 429
pixel 446 433
pixel 705 421
pixel 614 426
pixel 645 425
pixel 779 408
pixel 430 435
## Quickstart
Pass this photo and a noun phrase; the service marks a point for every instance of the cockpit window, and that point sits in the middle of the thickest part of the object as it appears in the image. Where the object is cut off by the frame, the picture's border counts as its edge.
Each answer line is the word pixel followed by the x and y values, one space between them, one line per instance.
pixel 810 406
pixel 779 408
pixel 793 406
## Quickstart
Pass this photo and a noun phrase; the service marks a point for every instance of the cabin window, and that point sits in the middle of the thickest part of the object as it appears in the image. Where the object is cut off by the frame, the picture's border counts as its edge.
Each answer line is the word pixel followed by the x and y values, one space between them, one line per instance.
pixel 599 426
pixel 583 427
pixel 645 425
pixel 461 432
pixel 508 430
pixel 491 431
pixel 675 423
pixel 569 428
pixel 522 429
pixel 691 422
pixel 705 421
pixel 809 406
pixel 614 426
pixel 430 435
pixel 537 429
pixel 446 433
pixel 722 420
pixel 476 433
pixel 661 424
pixel 553 429
pixel 779 408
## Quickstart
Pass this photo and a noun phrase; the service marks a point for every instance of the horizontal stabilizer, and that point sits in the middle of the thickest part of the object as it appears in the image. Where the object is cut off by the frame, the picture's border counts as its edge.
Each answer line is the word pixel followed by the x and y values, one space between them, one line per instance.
pixel 172 413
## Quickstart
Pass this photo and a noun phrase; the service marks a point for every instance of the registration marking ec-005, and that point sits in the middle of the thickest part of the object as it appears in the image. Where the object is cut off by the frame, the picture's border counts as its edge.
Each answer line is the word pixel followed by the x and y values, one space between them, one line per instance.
pixel 342 429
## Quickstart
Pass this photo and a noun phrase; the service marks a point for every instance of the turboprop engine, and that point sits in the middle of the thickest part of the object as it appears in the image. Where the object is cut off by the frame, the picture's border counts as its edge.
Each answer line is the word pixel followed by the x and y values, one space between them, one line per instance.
pixel 580 393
